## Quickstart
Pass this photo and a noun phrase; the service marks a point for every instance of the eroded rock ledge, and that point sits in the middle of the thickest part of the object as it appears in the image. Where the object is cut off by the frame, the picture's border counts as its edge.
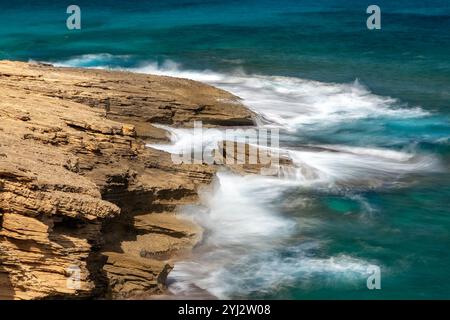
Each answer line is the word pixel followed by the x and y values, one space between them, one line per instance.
pixel 78 190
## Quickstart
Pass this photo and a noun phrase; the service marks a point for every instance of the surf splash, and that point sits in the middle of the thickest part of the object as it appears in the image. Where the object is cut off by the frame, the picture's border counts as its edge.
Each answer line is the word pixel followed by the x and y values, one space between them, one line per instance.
pixel 254 244
pixel 287 102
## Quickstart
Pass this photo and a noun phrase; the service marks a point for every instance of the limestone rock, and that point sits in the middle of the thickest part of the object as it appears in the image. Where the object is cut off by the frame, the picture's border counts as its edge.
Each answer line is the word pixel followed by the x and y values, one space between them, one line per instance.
pixel 86 210
pixel 244 158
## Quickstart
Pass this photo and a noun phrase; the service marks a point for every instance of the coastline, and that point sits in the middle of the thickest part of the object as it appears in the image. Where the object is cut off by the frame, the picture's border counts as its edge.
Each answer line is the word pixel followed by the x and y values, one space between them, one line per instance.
pixel 81 190
pixel 95 206
pixel 100 194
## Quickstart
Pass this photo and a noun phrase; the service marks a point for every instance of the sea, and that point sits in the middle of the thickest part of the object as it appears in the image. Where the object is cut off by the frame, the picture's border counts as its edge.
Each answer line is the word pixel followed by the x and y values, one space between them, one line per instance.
pixel 364 115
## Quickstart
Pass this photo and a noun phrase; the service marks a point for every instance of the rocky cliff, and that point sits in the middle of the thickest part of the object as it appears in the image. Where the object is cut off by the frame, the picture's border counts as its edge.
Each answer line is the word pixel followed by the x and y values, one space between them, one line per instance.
pixel 81 197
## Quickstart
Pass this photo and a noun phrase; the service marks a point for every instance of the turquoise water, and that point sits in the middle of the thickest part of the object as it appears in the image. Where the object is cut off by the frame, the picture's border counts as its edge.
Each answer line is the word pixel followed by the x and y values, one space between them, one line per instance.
pixel 386 89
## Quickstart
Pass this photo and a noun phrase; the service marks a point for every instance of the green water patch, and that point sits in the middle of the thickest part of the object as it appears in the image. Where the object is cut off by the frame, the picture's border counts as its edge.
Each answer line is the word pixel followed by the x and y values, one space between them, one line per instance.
pixel 342 205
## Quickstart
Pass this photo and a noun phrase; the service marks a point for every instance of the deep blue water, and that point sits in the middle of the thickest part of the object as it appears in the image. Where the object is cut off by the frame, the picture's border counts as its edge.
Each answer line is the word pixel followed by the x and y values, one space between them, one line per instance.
pixel 324 40
pixel 402 225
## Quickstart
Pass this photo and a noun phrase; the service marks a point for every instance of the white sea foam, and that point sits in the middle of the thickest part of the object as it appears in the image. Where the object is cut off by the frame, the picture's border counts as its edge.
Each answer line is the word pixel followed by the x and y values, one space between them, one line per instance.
pixel 323 165
pixel 94 60
pixel 182 137
pixel 239 222
pixel 286 101
pixel 245 232
pixel 364 166
pixel 264 273
pixel 292 102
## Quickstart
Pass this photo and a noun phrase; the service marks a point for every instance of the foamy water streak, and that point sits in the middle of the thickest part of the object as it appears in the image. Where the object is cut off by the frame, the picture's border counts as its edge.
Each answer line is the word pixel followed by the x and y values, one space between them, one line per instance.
pixel 245 234
pixel 287 102
pixel 246 250
pixel 293 102
pixel 322 165
pixel 362 167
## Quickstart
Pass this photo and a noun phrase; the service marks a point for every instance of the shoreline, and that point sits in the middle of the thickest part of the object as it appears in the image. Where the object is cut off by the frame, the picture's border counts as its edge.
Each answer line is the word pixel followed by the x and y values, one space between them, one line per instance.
pixel 85 191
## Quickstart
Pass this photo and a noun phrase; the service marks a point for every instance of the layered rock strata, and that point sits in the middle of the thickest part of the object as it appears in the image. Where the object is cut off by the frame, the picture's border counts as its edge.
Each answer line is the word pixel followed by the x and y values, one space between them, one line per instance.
pixel 86 210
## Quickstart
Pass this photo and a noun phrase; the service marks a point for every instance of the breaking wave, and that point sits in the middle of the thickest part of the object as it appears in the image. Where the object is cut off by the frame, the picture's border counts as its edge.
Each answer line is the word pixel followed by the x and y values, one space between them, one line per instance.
pixel 246 250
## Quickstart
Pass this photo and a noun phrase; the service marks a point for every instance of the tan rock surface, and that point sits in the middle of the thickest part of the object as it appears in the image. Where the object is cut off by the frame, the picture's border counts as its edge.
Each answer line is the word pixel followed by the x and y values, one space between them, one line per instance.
pixel 80 190
pixel 132 98
pixel 244 158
